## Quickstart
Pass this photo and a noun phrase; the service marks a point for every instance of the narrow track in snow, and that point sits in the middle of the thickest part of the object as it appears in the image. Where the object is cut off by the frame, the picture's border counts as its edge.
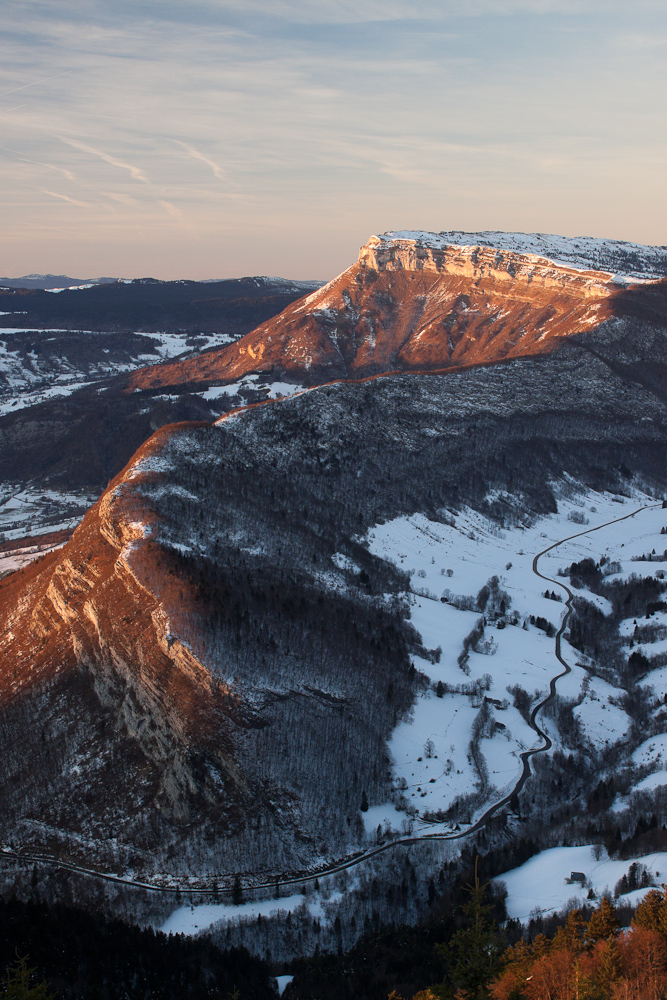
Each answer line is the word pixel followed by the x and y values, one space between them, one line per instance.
pixel 303 878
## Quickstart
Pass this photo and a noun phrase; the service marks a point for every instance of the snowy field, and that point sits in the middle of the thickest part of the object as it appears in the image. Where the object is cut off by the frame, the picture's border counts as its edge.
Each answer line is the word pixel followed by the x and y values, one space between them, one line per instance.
pixel 27 383
pixel 276 390
pixel 652 751
pixel 33 512
pixel 192 920
pixel 456 560
pixel 540 886
pixel 657 679
pixel 20 556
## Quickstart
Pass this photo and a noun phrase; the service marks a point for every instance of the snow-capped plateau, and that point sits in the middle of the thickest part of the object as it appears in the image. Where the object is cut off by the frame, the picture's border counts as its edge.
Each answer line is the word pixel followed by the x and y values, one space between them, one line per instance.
pixel 420 301
pixel 624 261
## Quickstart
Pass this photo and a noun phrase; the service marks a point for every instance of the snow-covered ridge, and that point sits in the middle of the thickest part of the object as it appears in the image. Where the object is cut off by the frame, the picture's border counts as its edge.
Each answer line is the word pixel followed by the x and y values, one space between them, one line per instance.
pixel 274 281
pixel 622 260
pixel 481 263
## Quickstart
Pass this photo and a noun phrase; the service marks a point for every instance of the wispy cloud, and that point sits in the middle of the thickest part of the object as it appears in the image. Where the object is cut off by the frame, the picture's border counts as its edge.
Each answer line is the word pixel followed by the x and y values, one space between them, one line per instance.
pixel 134 172
pixel 305 125
pixel 170 209
pixel 196 155
pixel 124 199
pixel 38 163
pixel 65 197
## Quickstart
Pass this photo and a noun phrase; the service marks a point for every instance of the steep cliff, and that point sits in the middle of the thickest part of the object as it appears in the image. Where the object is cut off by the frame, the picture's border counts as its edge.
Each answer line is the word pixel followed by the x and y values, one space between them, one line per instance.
pixel 84 612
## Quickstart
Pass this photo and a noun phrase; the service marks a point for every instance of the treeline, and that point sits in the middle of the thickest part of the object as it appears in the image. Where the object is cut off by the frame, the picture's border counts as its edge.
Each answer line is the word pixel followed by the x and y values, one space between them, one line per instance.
pixel 589 958
pixel 467 950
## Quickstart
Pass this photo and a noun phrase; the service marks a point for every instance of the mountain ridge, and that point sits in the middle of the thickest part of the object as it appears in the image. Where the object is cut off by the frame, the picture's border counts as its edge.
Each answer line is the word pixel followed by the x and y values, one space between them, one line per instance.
pixel 625 260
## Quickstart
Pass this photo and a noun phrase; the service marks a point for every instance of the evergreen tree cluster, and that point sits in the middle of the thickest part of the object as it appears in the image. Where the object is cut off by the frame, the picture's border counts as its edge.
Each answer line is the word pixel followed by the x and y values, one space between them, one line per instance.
pixel 591 959
pixel 586 955
pixel 80 956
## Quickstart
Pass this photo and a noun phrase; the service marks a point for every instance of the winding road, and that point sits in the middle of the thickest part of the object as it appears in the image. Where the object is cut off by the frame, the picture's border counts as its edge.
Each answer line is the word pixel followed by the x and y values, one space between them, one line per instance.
pixel 302 878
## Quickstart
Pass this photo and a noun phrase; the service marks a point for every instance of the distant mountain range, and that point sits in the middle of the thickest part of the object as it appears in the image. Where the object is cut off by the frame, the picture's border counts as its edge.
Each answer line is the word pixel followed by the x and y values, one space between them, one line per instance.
pixel 51 281
pixel 234 305
pixel 56 282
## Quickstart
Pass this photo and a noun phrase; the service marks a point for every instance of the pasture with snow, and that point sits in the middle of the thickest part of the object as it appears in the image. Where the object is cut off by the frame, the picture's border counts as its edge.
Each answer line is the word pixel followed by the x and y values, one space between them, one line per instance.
pixel 449 563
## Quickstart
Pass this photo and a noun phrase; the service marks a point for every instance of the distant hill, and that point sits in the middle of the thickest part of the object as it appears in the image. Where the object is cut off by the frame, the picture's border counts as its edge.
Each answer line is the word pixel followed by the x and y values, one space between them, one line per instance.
pixel 51 281
pixel 233 306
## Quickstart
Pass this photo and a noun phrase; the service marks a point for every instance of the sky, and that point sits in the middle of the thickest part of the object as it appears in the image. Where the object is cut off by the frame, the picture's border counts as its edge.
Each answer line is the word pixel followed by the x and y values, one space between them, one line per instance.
pixel 222 138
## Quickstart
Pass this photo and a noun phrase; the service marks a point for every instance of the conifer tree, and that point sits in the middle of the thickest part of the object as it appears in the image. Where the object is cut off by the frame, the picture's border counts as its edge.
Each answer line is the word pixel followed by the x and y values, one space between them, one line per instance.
pixel 18 979
pixel 609 966
pixel 603 923
pixel 473 952
pixel 571 937
pixel 237 891
pixel 651 913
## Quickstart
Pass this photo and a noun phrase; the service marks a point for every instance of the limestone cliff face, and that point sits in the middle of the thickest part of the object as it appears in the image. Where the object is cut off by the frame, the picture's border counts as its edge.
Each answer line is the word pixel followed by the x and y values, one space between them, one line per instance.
pixel 87 608
pixel 407 305
pixel 478 263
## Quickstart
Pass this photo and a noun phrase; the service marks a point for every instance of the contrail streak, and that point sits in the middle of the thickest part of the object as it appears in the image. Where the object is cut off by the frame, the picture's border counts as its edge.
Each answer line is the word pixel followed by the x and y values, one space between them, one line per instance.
pixel 51 166
pixel 36 82
pixel 64 197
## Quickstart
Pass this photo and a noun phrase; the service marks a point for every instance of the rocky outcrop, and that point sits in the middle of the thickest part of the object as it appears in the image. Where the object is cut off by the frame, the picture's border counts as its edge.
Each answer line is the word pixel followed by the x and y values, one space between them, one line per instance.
pixel 478 263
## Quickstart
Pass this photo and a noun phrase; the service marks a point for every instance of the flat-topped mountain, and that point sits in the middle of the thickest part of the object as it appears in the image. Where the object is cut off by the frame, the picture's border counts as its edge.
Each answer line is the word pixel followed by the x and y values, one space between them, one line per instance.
pixel 417 302
pixel 626 261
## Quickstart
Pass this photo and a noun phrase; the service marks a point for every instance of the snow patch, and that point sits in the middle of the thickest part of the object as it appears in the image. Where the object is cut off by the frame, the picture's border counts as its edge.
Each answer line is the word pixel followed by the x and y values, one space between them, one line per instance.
pixel 540 884
pixel 193 920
